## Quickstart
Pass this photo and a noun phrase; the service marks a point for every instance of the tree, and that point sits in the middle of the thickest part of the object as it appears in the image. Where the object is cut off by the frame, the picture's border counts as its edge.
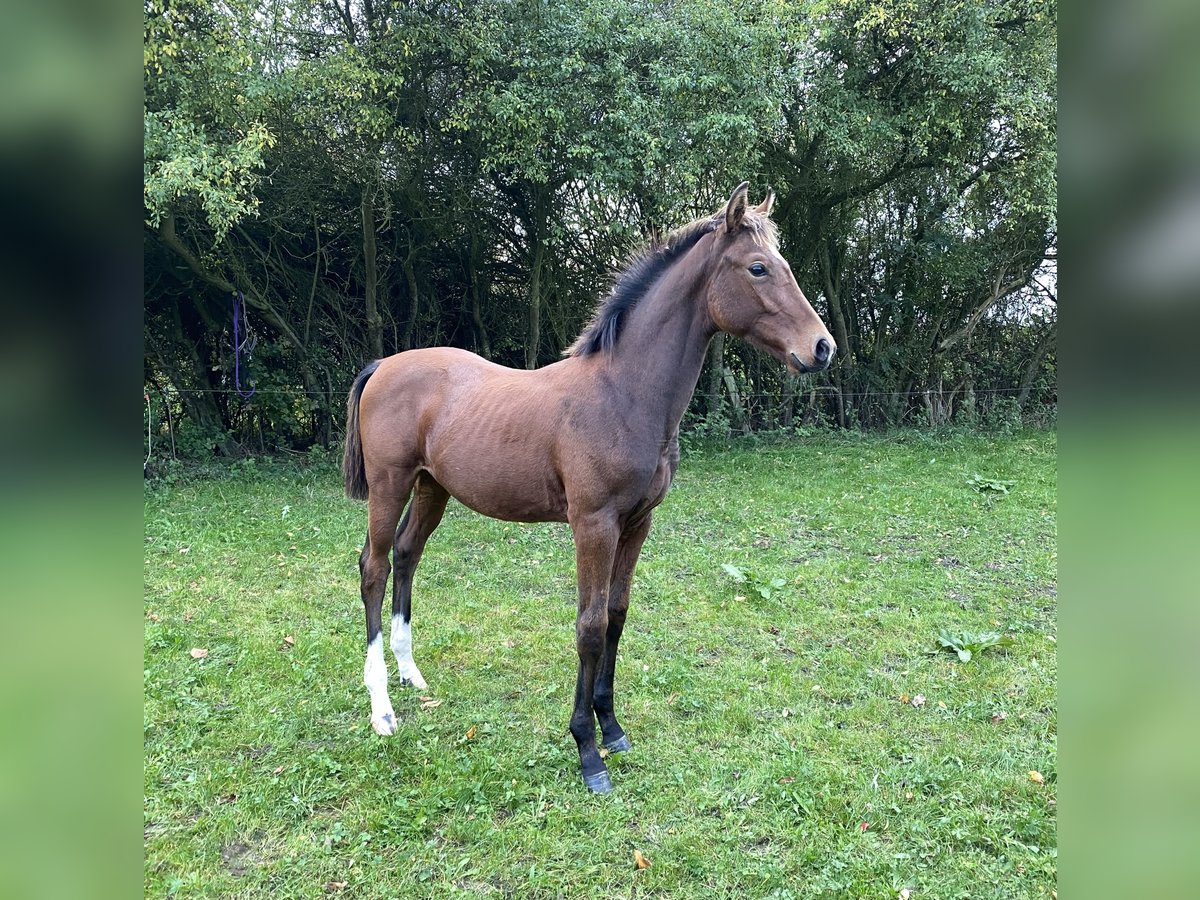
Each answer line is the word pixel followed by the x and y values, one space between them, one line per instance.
pixel 375 175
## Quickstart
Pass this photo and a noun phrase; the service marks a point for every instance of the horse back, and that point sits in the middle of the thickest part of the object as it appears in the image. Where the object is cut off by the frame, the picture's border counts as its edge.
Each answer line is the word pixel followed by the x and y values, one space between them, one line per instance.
pixel 485 432
pixel 515 444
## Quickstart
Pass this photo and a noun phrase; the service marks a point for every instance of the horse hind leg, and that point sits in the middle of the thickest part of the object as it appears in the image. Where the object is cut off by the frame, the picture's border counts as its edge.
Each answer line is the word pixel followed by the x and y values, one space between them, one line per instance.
pixel 424 514
pixel 385 503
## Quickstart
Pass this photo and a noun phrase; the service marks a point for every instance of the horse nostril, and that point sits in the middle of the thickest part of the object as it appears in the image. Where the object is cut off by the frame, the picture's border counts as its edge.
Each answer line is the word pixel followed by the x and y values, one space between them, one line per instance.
pixel 823 351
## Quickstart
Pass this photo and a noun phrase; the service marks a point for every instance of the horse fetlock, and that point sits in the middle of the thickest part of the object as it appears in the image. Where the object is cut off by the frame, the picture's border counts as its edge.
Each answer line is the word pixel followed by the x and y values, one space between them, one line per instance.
pixel 402 648
pixel 583 729
pixel 589 646
pixel 383 718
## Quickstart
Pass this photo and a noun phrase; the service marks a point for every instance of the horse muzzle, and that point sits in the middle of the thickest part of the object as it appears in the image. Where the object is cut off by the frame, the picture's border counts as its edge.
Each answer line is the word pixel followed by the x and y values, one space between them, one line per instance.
pixel 823 353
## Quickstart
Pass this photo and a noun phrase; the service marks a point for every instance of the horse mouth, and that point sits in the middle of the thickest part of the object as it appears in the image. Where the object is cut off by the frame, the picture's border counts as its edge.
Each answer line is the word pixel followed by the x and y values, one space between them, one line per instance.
pixel 802 368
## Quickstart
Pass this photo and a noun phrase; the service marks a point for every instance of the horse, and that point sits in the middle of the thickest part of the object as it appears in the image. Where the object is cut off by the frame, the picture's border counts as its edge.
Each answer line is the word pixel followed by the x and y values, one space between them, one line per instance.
pixel 591 440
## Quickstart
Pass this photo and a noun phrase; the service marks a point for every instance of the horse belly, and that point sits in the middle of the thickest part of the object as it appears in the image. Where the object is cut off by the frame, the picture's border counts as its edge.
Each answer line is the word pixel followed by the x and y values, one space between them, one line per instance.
pixel 502 487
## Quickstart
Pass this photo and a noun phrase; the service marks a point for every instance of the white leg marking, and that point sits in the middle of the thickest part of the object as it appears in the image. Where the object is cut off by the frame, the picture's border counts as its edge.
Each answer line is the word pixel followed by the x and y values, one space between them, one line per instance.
pixel 383 718
pixel 402 647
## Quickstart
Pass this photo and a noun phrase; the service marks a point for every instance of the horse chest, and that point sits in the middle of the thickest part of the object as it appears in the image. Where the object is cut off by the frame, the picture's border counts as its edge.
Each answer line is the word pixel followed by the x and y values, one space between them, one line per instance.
pixel 660 480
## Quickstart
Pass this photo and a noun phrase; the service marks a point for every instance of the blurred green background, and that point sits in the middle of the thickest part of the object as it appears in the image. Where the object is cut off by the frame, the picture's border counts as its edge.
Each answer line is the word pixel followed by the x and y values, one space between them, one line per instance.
pixel 1130 617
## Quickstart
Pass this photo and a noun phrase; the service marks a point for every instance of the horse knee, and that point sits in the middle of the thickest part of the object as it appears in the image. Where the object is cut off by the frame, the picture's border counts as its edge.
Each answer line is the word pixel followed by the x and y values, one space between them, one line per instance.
pixel 375 571
pixel 591 631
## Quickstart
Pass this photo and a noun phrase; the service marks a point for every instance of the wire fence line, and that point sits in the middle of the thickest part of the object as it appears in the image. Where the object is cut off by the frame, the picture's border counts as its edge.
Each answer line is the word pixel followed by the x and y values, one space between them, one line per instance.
pixel 798 392
pixel 799 395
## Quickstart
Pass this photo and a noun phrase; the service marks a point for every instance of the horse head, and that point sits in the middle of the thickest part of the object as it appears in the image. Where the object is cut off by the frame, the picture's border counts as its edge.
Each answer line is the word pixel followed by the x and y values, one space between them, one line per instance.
pixel 753 294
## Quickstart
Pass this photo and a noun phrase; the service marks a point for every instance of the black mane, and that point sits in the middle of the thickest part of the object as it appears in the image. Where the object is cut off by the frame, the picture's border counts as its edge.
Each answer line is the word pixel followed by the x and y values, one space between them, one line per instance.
pixel 630 286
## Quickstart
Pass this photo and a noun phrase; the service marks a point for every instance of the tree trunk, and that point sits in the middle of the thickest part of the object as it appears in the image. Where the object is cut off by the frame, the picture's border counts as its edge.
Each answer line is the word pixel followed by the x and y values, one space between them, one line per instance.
pixel 170 239
pixel 537 222
pixel 196 389
pixel 1000 290
pixel 483 343
pixel 414 293
pixel 833 295
pixel 166 402
pixel 841 402
pixel 328 442
pixel 370 277
pixel 789 400
pixel 716 367
pixel 735 400
pixel 315 395
pixel 936 405
pixel 1035 363
pixel 534 334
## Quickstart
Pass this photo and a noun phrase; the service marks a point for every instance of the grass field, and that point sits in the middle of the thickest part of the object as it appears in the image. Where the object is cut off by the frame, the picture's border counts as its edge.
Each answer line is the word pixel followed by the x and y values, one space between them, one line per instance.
pixel 781 745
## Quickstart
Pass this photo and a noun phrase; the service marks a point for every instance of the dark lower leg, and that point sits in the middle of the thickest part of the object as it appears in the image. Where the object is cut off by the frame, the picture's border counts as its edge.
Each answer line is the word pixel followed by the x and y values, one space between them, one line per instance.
pixel 583 726
pixel 611 732
pixel 624 562
pixel 596 538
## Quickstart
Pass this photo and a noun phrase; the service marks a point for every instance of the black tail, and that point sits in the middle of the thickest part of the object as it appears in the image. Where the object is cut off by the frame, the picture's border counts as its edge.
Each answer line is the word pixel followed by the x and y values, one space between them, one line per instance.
pixel 353 470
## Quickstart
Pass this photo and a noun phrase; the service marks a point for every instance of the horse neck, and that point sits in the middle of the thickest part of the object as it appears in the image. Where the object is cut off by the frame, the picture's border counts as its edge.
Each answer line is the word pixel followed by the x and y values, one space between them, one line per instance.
pixel 663 343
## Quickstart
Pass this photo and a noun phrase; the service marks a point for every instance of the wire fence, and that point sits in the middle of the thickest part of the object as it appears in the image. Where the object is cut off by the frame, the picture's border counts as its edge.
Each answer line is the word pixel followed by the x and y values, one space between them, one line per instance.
pixel 798 392
pixel 798 397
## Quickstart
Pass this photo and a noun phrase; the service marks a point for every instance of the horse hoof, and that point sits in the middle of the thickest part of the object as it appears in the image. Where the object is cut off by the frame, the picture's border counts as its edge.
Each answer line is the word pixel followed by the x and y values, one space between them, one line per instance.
pixel 620 745
pixel 599 783
pixel 384 725
pixel 414 680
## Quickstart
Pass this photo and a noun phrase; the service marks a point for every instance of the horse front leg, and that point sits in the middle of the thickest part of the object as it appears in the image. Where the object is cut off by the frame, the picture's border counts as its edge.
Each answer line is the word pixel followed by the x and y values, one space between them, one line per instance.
pixel 596 538
pixel 628 549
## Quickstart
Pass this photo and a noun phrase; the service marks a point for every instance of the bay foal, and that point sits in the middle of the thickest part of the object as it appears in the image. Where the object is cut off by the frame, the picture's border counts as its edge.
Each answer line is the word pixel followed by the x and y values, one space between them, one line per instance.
pixel 591 440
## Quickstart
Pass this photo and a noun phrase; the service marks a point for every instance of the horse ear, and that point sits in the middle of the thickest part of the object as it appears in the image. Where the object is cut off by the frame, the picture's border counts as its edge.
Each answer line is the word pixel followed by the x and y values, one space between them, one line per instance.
pixel 735 209
pixel 768 202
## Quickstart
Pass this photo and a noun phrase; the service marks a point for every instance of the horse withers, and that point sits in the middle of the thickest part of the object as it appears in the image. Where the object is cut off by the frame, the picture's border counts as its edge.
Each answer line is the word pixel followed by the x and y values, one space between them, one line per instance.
pixel 591 440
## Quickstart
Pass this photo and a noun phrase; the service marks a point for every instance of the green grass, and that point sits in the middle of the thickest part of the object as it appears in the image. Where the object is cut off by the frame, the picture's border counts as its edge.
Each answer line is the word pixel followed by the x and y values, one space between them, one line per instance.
pixel 765 732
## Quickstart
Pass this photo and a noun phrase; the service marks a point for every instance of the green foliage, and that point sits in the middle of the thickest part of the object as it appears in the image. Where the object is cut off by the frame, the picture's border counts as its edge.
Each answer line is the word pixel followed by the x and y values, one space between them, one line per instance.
pixel 968 644
pixel 763 587
pixel 205 135
pixel 498 159
pixel 1003 416
pixel 621 93
pixel 183 164
pixel 990 486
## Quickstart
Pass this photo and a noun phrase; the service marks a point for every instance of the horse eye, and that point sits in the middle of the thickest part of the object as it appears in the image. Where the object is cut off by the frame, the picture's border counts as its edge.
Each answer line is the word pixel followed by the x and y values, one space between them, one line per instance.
pixel 758 270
